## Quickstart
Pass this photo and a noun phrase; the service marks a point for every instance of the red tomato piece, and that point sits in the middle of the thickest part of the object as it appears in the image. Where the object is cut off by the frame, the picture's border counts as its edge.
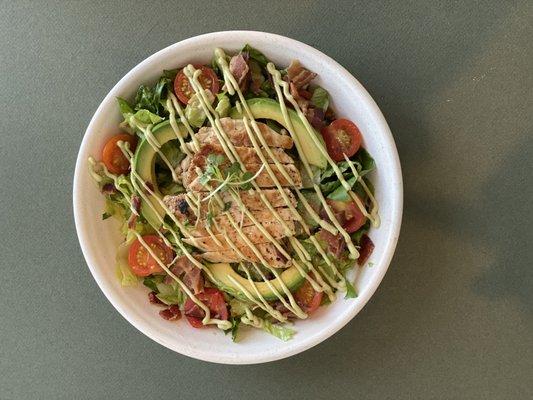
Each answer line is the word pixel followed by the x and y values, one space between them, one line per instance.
pixel 342 137
pixel 308 298
pixel 112 156
pixel 208 79
pixel 213 299
pixel 141 261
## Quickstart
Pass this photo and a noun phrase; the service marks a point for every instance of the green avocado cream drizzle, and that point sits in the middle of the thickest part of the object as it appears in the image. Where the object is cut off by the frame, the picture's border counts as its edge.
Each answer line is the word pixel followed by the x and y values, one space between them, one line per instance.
pixel 303 263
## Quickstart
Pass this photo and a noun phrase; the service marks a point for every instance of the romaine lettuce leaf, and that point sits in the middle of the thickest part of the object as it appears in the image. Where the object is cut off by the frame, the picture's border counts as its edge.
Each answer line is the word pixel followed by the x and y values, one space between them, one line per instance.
pixel 320 98
pixel 255 55
pixel 170 293
pixel 280 331
pixel 351 293
pixel 123 270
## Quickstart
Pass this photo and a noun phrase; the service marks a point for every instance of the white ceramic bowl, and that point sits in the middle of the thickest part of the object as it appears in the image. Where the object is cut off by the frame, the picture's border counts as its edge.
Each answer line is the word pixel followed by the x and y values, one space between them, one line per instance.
pixel 99 239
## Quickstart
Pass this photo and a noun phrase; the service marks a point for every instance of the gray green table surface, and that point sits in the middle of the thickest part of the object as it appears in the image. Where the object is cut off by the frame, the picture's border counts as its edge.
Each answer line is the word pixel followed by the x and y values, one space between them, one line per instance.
pixel 453 318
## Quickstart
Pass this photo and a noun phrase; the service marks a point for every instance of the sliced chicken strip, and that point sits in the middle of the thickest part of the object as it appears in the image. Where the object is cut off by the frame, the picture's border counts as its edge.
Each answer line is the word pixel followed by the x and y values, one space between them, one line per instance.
pixel 237 134
pixel 252 232
pixel 247 155
pixel 267 250
pixel 263 180
pixel 179 206
pixel 222 222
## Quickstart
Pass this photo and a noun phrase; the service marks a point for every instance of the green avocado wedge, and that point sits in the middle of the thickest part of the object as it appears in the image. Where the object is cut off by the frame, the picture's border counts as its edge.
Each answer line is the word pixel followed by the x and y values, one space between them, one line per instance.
pixel 270 109
pixel 223 276
pixel 144 164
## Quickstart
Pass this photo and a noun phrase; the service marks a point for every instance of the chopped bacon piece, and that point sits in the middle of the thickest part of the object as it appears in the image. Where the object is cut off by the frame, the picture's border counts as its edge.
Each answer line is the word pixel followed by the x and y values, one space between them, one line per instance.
pixel 302 102
pixel 367 246
pixel 298 75
pixel 238 67
pixel 172 313
pixel 191 275
pixel 152 297
pixel 315 116
pixel 136 204
pixel 109 188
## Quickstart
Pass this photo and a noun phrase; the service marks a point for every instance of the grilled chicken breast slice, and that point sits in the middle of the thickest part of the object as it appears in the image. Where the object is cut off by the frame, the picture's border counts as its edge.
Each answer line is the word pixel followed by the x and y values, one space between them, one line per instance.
pixel 236 132
pixel 268 251
pixel 263 180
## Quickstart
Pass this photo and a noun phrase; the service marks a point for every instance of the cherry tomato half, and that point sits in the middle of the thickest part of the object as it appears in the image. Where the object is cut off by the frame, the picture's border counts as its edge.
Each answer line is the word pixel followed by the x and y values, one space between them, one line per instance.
pixel 141 261
pixel 342 137
pixel 207 78
pixel 112 156
pixel 213 299
pixel 348 214
pixel 307 297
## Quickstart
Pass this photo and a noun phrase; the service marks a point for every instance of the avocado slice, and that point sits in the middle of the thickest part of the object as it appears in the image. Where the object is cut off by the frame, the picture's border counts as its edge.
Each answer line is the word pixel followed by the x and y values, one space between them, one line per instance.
pixel 263 108
pixel 221 273
pixel 144 163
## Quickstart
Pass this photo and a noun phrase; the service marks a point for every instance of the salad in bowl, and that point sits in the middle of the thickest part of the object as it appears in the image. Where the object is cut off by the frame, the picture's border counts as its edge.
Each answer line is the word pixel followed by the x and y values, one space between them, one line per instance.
pixel 244 200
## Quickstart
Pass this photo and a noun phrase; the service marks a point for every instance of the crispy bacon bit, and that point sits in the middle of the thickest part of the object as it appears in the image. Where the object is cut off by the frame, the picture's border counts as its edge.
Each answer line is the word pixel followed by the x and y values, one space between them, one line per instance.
pixel 298 75
pixel 195 311
pixel 301 101
pixel 306 94
pixel 256 76
pixel 278 306
pixel 152 298
pixel 172 313
pixel 336 244
pixel 136 205
pixel 315 116
pixel 109 188
pixel 367 246
pixel 192 277
pixel 238 67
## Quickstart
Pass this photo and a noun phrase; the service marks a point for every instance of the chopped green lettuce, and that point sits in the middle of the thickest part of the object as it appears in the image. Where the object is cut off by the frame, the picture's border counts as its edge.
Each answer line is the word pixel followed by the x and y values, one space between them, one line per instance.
pixel 147 117
pixel 350 291
pixel 170 293
pixel 123 270
pixel 152 281
pixel 150 98
pixel 280 331
pixel 320 98
pixel 255 55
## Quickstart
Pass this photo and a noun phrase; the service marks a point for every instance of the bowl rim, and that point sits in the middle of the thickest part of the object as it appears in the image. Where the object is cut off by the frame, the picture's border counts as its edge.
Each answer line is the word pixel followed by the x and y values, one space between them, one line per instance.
pixel 396 204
